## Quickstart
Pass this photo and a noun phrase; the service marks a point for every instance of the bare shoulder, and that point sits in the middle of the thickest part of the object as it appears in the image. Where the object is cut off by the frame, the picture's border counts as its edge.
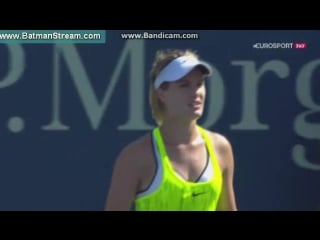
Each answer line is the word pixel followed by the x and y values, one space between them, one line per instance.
pixel 220 142
pixel 126 176
pixel 135 162
pixel 223 149
pixel 136 150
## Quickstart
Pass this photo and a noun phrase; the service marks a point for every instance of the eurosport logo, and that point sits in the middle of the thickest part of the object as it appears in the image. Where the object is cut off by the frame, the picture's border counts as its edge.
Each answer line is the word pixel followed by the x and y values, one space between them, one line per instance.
pixel 282 45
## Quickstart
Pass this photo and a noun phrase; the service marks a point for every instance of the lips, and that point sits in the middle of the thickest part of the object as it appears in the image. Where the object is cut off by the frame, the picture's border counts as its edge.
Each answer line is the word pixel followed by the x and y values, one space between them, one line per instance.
pixel 195 104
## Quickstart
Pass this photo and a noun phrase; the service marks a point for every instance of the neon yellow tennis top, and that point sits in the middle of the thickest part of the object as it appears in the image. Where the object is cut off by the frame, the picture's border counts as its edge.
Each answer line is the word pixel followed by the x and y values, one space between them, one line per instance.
pixel 176 194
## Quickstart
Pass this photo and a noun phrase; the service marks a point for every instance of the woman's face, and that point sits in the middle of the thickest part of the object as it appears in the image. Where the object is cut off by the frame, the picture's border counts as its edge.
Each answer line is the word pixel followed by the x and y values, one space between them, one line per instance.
pixel 185 98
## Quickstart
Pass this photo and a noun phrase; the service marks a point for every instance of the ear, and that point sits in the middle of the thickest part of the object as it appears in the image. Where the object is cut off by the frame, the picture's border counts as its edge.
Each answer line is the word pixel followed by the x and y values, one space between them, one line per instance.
pixel 160 94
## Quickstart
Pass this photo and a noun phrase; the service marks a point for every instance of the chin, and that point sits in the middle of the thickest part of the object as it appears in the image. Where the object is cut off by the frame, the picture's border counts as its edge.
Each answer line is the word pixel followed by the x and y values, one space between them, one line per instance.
pixel 197 114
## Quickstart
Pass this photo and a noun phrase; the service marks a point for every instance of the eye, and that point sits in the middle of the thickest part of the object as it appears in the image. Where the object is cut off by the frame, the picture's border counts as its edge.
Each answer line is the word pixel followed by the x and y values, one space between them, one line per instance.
pixel 200 83
pixel 185 84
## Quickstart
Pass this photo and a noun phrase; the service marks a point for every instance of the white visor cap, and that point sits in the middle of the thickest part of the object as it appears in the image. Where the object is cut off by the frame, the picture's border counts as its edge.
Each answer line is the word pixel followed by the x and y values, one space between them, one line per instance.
pixel 180 67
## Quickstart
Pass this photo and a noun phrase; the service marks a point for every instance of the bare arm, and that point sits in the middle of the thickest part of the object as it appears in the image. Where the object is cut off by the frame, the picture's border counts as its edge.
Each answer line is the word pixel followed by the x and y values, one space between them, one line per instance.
pixel 124 182
pixel 227 200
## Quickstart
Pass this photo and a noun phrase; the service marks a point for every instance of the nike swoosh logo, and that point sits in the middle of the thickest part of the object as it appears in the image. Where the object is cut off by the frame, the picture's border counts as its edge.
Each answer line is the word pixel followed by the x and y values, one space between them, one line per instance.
pixel 197 194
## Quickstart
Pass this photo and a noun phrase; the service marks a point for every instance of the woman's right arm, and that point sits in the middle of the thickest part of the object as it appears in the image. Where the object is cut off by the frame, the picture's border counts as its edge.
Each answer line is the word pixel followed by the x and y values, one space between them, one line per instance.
pixel 124 182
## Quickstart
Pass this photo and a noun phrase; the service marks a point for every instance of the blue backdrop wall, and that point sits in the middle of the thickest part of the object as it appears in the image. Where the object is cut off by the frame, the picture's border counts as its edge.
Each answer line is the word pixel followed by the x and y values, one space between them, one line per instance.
pixel 68 109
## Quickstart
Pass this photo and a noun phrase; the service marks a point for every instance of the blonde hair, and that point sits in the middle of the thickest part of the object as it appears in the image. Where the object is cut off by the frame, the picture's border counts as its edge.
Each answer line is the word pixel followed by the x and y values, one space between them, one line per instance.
pixel 162 59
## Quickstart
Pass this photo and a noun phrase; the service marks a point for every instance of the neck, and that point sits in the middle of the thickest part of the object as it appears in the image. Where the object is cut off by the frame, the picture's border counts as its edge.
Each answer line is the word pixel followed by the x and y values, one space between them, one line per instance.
pixel 179 132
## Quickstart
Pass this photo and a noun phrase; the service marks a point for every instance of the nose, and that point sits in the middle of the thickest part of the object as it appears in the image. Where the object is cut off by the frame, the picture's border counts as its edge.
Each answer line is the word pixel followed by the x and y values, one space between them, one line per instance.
pixel 196 90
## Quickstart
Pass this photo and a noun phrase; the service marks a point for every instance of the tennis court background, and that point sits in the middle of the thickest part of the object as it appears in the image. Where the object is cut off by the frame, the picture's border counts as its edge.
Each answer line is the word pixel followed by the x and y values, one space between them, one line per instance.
pixel 67 110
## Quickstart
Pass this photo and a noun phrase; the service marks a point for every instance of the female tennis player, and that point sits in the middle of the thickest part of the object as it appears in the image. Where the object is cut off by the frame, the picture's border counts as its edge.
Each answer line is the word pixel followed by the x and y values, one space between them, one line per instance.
pixel 179 165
